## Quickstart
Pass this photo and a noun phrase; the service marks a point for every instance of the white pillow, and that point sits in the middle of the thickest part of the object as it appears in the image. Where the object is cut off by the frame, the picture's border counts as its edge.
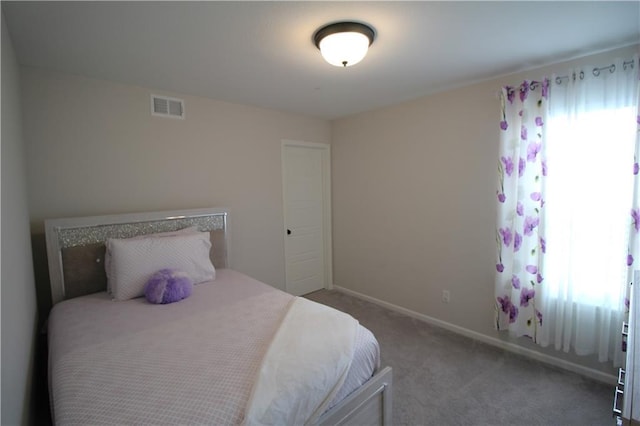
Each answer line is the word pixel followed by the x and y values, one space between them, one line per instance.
pixel 107 253
pixel 134 260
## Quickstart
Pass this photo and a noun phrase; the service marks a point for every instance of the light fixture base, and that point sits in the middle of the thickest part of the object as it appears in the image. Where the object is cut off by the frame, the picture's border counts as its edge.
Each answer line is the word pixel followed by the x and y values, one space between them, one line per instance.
pixel 344 27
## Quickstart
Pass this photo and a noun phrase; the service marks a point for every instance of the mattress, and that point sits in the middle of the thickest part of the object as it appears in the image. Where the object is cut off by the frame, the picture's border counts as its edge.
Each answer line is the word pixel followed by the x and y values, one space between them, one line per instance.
pixel 191 362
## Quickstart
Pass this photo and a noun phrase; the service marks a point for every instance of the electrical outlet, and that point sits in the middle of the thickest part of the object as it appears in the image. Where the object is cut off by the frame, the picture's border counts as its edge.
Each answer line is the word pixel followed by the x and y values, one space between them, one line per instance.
pixel 446 296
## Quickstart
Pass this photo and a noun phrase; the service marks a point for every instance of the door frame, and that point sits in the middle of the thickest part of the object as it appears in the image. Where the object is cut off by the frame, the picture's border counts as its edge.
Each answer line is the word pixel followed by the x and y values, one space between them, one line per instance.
pixel 326 206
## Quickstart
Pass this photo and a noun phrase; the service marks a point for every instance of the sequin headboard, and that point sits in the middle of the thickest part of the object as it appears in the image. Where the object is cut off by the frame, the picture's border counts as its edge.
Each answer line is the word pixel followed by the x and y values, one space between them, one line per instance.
pixel 76 246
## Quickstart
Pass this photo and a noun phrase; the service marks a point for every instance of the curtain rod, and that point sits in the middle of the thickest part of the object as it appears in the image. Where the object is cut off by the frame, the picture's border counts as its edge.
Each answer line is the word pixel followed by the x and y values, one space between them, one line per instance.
pixel 596 71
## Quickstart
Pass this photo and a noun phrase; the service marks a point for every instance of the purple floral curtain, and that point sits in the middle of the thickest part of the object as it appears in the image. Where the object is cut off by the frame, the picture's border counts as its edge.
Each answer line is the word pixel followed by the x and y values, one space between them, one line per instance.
pixel 633 251
pixel 520 235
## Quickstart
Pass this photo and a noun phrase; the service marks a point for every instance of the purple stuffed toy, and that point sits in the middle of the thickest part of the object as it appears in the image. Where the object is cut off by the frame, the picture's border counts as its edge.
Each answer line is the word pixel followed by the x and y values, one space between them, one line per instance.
pixel 168 286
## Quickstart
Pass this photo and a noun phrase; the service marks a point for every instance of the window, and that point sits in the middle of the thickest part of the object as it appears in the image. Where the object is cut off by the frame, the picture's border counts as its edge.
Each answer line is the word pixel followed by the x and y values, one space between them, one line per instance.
pixel 568 202
pixel 589 191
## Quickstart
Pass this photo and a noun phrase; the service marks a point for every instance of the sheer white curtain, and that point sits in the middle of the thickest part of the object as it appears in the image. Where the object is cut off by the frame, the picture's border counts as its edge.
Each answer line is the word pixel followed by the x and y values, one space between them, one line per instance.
pixel 591 138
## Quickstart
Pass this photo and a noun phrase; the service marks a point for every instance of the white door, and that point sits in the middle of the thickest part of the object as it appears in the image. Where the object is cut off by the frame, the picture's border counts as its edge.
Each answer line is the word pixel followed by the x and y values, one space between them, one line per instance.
pixel 307 227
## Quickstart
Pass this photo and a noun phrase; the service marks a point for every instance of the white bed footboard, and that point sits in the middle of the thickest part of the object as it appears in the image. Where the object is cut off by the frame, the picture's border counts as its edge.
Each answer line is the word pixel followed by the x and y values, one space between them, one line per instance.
pixel 369 405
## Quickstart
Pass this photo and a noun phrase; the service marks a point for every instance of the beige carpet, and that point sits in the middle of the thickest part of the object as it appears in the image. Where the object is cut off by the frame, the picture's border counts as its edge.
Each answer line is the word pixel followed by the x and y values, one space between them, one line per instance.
pixel 441 378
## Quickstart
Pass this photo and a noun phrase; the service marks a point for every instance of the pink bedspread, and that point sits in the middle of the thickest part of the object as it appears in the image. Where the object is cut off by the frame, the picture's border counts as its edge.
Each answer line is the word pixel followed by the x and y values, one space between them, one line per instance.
pixel 191 362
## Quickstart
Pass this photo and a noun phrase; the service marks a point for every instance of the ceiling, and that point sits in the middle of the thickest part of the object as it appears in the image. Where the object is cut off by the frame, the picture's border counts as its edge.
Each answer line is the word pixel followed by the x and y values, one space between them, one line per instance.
pixel 262 54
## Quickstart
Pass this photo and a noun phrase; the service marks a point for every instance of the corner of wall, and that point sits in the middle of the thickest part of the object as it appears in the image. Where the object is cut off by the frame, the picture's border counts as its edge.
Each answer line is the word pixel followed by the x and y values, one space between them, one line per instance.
pixel 19 313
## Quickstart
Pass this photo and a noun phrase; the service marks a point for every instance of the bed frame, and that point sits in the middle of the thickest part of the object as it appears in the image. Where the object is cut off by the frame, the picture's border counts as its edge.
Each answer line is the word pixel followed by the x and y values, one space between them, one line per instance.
pixel 75 252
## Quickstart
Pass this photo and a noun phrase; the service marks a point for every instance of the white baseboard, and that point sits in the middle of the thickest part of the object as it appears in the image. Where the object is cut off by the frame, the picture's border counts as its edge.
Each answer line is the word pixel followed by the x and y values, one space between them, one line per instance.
pixel 511 347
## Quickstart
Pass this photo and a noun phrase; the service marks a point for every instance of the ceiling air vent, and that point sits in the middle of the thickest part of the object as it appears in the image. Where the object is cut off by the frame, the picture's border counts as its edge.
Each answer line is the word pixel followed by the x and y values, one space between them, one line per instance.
pixel 167 107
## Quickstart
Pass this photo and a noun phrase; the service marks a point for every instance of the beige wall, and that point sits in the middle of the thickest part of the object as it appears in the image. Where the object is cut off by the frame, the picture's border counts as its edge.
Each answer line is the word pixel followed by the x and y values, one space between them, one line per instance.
pixel 94 148
pixel 17 285
pixel 414 201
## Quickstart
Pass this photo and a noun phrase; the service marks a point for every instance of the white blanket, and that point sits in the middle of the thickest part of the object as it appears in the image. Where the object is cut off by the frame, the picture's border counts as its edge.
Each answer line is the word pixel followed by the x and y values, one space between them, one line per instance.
pixel 304 367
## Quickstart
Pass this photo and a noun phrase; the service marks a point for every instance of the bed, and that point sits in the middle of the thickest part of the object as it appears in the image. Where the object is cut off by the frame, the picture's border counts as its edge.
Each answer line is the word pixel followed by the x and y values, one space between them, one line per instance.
pixel 235 351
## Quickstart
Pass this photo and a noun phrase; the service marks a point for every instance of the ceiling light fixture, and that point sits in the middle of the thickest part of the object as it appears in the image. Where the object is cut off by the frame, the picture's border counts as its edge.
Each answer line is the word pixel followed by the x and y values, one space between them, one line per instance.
pixel 344 43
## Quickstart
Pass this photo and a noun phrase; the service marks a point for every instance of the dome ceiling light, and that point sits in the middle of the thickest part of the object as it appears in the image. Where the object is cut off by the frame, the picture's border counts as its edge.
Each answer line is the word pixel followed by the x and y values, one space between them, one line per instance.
pixel 344 43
